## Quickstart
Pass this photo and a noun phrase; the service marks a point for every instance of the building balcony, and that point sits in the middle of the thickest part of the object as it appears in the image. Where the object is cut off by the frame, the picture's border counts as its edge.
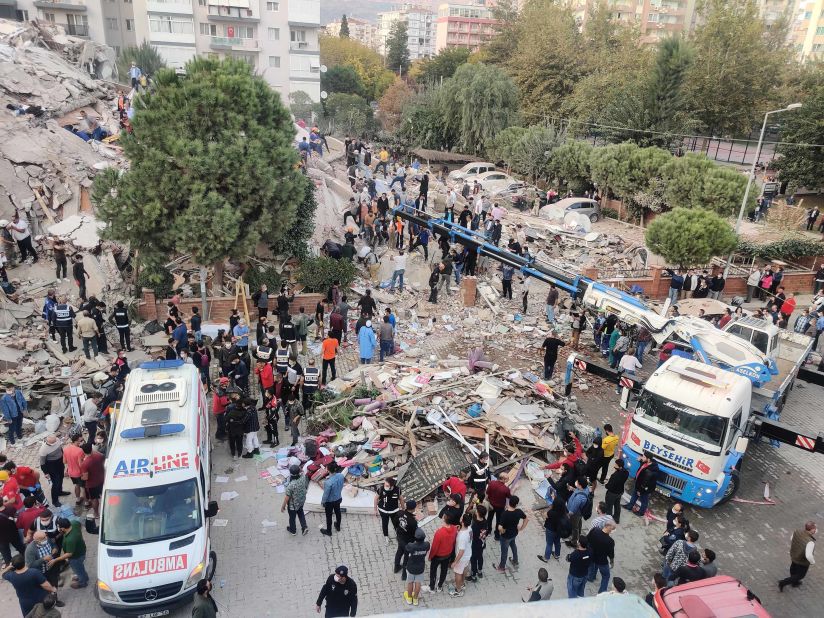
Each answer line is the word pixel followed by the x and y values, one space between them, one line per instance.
pixel 304 13
pixel 234 43
pixel 81 30
pixel 76 6
pixel 304 46
pixel 174 7
pixel 233 14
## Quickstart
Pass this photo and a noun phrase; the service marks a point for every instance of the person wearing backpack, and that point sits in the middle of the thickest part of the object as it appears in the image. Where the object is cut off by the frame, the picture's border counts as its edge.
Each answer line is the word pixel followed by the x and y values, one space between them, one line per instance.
pixel 556 527
pixel 577 505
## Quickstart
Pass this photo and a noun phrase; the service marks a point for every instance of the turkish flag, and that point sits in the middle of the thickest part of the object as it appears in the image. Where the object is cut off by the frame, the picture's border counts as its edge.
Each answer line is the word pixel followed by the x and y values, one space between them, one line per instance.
pixel 635 438
pixel 702 467
pixel 230 31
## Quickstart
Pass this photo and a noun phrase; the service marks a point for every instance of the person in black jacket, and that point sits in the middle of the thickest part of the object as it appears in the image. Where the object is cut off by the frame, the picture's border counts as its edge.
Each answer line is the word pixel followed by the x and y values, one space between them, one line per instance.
pixel 416 565
pixel 407 525
pixel 341 594
pixel 578 569
pixel 615 489
pixel 552 528
pixel 563 486
pixel 645 481
pixel 602 553
pixel 595 455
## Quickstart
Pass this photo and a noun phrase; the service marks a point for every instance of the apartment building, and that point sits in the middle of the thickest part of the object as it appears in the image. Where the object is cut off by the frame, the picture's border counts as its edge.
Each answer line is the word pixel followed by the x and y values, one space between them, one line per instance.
pixel 807 30
pixel 359 30
pixel 463 25
pixel 420 25
pixel 278 38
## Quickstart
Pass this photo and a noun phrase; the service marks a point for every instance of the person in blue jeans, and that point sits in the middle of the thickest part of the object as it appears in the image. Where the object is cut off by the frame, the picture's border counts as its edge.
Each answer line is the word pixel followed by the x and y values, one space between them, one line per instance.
pixel 578 569
pixel 74 550
pixel 555 517
pixel 512 521
pixel 13 405
pixel 602 554
pixel 645 481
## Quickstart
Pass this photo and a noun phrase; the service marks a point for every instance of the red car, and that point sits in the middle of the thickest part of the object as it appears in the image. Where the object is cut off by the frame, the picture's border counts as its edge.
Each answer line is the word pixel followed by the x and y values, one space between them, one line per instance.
pixel 717 597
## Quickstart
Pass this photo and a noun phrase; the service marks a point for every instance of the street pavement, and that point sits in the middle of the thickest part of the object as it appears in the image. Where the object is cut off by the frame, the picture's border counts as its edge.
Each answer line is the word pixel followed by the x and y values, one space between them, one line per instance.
pixel 264 571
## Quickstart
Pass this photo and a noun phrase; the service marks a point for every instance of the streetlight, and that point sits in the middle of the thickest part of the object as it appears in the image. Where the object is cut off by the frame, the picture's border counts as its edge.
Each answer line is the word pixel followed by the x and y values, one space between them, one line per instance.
pixel 751 175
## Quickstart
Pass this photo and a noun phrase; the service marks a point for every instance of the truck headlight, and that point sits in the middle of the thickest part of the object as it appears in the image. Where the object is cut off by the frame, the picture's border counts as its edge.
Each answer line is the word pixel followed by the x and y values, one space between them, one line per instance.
pixel 104 592
pixel 194 576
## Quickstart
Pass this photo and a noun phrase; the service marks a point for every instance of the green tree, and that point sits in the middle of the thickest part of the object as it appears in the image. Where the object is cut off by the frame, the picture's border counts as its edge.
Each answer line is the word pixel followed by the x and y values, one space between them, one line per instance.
pixel 803 166
pixel 319 273
pixel 534 150
pixel 368 63
pixel 397 48
pixel 422 123
pixel 500 49
pixel 476 104
pixel 349 114
pixel 344 27
pixel 390 107
pixel 570 165
pixel 738 62
pixel 144 56
pixel 694 181
pixel 690 236
pixel 612 169
pixel 342 78
pixel 212 167
pixel 504 144
pixel 301 105
pixel 443 65
pixel 295 241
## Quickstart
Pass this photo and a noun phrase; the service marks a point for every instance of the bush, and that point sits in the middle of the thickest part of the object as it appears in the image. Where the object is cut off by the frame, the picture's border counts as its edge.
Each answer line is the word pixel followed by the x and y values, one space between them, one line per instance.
pixel 153 274
pixel 318 274
pixel 256 276
pixel 785 249
pixel 610 213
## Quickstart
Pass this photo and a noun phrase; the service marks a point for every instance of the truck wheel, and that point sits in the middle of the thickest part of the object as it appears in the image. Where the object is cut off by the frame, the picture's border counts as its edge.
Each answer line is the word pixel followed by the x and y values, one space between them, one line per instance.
pixel 211 567
pixel 732 487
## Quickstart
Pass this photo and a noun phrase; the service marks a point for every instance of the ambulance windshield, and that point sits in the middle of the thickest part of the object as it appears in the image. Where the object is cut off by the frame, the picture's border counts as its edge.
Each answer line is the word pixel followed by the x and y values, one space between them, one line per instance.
pixel 150 514
pixel 672 416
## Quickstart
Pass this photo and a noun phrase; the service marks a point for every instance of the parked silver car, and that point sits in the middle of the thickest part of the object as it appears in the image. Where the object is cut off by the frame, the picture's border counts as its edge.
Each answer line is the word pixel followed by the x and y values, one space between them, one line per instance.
pixel 581 205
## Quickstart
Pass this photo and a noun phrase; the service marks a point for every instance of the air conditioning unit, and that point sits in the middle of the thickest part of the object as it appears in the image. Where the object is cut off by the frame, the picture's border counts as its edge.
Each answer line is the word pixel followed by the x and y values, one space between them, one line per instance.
pixel 303 44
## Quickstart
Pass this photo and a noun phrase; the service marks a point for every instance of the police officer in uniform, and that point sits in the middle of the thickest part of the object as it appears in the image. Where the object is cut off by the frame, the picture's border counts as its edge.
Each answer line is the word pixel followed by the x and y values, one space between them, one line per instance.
pixel 63 316
pixel 289 335
pixel 282 358
pixel 120 318
pixel 311 379
pixel 479 475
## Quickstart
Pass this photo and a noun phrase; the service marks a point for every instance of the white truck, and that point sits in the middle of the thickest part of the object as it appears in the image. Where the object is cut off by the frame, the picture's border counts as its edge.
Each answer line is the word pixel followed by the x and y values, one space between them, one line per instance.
pixel 154 541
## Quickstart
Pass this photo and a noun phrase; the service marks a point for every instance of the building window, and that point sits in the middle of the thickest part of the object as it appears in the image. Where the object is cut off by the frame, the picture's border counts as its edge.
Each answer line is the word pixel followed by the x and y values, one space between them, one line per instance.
pixel 273 6
pixel 127 1
pixel 274 34
pixel 49 17
pixel 208 29
pixel 274 62
pixel 170 25
pixel 240 32
pixel 819 30
pixel 298 36
pixel 22 15
pixel 129 25
pixel 201 2
pixel 111 23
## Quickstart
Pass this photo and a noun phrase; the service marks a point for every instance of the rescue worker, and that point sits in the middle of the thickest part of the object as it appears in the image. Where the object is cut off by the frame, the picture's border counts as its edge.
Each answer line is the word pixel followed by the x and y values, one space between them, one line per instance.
pixel 311 379
pixel 63 316
pixel 479 476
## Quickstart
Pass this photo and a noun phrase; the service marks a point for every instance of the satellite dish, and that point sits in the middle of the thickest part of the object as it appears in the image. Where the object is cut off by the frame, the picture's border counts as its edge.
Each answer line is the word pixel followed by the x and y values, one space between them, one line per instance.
pixel 324 94
pixel 323 68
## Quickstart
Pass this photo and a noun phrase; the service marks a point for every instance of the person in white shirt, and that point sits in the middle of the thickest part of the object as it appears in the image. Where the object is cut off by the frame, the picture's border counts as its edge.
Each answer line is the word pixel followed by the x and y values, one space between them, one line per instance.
pixel 451 198
pixel 463 552
pixel 479 205
pixel 19 228
pixel 627 366
pixel 399 265
pixel 752 283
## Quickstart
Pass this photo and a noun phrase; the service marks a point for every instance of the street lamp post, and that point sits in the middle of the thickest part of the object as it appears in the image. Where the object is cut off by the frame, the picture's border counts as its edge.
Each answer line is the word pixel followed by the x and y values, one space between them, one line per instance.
pixel 751 175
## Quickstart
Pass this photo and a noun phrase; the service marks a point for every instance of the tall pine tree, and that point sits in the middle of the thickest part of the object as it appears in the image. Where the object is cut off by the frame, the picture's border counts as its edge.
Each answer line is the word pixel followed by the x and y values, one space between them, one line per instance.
pixel 344 27
pixel 397 49
pixel 212 167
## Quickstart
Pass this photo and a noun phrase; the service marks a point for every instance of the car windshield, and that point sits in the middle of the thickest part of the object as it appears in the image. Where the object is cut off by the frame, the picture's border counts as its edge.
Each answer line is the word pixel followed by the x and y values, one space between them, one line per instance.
pixel 676 418
pixel 149 514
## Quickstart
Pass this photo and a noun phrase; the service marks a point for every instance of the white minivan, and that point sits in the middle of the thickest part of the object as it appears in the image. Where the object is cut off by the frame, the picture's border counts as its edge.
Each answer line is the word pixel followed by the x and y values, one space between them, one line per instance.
pixel 154 529
pixel 470 170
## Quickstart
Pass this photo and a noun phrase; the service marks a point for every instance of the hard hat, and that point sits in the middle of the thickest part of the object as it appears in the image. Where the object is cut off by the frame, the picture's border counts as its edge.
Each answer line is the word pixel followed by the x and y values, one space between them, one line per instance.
pixel 4 222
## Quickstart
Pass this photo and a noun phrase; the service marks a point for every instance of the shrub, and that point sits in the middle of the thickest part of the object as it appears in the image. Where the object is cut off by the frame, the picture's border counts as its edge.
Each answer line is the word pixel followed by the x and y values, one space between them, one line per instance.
pixel 318 273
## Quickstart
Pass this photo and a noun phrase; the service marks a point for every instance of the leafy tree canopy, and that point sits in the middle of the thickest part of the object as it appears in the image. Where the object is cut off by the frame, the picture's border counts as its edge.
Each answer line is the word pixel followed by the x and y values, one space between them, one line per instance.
pixel 342 78
pixel 687 236
pixel 212 166
pixel 367 63
pixel 144 56
pixel 397 48
pixel 441 66
pixel 803 166
pixel 344 27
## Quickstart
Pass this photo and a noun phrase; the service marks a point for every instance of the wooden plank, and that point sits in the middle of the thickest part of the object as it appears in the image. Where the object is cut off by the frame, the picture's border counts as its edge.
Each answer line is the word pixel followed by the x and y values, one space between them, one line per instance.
pixel 471 432
pixel 43 207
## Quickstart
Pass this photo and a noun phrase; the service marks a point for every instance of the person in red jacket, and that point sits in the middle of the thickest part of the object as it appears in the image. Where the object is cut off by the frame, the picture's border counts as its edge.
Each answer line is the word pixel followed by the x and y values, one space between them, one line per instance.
pixel 266 378
pixel 788 306
pixel 456 485
pixel 497 493
pixel 440 553
pixel 572 453
pixel 220 399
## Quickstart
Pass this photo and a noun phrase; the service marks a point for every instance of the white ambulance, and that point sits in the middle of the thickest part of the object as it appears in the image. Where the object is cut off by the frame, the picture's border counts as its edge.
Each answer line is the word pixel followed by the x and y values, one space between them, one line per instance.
pixel 154 529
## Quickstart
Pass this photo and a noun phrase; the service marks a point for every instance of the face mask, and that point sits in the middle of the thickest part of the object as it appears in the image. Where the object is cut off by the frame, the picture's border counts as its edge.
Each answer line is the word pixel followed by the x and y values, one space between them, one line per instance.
pixel 43 542
pixel 338 579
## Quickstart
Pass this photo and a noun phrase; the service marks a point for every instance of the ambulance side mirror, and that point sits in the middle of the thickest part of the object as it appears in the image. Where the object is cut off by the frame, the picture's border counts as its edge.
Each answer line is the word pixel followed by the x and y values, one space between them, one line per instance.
pixel 212 509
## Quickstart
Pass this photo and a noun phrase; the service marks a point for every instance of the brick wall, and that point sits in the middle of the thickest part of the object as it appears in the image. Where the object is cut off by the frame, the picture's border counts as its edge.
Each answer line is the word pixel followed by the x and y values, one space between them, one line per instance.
pixel 220 307
pixel 657 286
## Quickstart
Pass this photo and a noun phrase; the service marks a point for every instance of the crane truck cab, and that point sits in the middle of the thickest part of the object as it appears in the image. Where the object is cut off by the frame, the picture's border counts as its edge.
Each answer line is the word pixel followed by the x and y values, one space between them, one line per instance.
pixel 154 532
pixel 689 418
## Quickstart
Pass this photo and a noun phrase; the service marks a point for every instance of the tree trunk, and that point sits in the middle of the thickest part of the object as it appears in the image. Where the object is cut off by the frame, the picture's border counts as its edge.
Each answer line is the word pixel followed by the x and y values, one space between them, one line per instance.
pixel 217 278
pixel 203 306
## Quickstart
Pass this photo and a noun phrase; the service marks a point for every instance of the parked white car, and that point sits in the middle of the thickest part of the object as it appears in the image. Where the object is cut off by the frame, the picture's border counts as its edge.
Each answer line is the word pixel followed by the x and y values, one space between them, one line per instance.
pixel 494 181
pixel 470 170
